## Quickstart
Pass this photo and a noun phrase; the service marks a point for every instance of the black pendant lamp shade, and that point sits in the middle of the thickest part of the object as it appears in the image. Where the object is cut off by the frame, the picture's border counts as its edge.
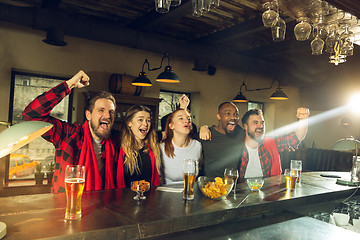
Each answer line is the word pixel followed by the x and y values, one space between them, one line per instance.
pixel 55 37
pixel 279 95
pixel 240 98
pixel 168 76
pixel 142 80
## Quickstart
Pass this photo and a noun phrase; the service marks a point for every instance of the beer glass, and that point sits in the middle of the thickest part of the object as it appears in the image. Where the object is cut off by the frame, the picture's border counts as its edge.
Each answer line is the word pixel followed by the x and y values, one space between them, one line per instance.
pixel 74 186
pixel 190 170
pixel 296 165
pixel 232 173
pixel 291 177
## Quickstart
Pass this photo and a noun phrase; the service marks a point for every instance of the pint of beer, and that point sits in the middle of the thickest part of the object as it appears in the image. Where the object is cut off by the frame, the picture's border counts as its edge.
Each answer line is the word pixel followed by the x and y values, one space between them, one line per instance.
pixel 74 186
pixel 190 170
pixel 297 166
pixel 291 177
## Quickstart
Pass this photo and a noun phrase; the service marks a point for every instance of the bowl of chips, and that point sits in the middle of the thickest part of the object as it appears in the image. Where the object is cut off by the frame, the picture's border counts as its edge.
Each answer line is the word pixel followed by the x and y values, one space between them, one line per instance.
pixel 215 188
pixel 255 183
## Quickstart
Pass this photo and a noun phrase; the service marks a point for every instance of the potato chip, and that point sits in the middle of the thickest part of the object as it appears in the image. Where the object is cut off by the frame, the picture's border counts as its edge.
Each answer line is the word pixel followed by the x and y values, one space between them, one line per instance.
pixel 216 189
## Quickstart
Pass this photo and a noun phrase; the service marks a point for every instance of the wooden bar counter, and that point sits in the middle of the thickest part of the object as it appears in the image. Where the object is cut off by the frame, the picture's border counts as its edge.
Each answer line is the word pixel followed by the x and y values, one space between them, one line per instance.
pixel 116 215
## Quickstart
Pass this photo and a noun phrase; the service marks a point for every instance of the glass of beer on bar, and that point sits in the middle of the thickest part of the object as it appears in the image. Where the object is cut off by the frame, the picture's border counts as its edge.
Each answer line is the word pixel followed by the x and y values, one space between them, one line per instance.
pixel 74 186
pixel 190 169
pixel 291 177
pixel 296 165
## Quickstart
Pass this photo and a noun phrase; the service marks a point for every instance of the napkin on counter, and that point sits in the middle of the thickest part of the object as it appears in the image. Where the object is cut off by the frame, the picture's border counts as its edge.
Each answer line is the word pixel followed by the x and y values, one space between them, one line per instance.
pixel 171 188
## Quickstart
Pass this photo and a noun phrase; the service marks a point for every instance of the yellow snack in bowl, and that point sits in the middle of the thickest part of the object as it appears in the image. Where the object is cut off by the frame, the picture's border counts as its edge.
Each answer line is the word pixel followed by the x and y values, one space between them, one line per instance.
pixel 215 189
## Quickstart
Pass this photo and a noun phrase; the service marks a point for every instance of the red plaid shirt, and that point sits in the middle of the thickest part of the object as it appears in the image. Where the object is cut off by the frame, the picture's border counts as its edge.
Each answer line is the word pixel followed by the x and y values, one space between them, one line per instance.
pixel 286 142
pixel 66 137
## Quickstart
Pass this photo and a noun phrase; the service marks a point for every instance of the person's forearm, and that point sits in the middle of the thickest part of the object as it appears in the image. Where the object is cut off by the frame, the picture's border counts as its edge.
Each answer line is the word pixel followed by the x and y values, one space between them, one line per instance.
pixel 42 105
pixel 301 129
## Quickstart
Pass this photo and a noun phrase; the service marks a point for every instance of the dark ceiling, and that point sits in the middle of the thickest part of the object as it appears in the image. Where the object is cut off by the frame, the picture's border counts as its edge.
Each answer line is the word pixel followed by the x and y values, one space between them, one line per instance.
pixel 231 35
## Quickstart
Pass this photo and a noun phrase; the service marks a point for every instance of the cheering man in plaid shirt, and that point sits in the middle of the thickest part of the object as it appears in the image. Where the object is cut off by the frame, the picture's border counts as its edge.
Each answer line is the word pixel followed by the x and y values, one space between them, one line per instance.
pixel 261 155
pixel 91 144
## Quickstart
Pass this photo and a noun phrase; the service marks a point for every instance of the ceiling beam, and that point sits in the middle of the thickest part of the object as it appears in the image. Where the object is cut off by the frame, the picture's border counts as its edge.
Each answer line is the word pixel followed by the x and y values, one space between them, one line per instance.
pixel 349 6
pixel 50 4
pixel 89 28
pixel 288 46
pixel 241 30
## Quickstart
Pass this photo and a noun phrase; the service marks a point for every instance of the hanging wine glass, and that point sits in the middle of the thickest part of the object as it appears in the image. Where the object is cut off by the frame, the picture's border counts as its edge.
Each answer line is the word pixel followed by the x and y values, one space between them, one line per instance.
pixel 278 29
pixel 317 44
pixel 269 16
pixel 197 6
pixel 215 3
pixel 175 3
pixel 347 52
pixel 322 31
pixel 206 6
pixel 330 41
pixel 321 28
pixel 302 30
pixel 347 39
pixel 162 6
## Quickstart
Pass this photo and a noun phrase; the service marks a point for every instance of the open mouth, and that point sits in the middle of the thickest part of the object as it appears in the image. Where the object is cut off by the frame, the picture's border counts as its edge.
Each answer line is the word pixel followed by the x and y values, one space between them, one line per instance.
pixel 230 126
pixel 105 125
pixel 143 131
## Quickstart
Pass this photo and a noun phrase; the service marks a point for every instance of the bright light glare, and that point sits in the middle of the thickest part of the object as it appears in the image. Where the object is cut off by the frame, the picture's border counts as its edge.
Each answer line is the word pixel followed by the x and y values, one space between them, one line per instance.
pixel 312 120
pixel 354 103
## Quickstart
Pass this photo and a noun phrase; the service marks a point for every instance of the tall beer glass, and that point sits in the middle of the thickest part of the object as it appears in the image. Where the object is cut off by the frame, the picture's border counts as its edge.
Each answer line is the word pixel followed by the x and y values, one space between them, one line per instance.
pixel 74 186
pixel 296 165
pixel 291 177
pixel 190 170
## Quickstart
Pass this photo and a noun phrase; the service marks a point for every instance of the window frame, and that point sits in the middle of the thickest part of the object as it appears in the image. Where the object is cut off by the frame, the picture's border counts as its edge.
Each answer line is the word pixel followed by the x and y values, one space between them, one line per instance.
pixel 255 102
pixel 176 92
pixel 57 80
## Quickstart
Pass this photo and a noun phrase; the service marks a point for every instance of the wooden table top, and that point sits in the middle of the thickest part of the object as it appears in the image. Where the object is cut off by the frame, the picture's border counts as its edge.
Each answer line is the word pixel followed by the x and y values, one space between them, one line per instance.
pixel 115 214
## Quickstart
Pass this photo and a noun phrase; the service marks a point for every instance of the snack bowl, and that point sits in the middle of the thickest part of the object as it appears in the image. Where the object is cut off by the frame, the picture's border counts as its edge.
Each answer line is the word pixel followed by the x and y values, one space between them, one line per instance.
pixel 356 224
pixel 215 188
pixel 140 187
pixel 341 219
pixel 255 183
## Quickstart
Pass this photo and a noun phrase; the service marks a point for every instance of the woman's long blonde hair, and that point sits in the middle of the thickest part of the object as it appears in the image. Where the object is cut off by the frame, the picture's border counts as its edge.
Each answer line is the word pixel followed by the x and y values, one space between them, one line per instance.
pixel 130 144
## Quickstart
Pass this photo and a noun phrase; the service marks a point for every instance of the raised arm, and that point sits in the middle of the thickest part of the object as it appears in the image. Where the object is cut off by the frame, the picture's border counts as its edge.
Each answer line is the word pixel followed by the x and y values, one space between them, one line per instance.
pixel 41 106
pixel 79 80
pixel 184 101
pixel 302 114
pixel 39 109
